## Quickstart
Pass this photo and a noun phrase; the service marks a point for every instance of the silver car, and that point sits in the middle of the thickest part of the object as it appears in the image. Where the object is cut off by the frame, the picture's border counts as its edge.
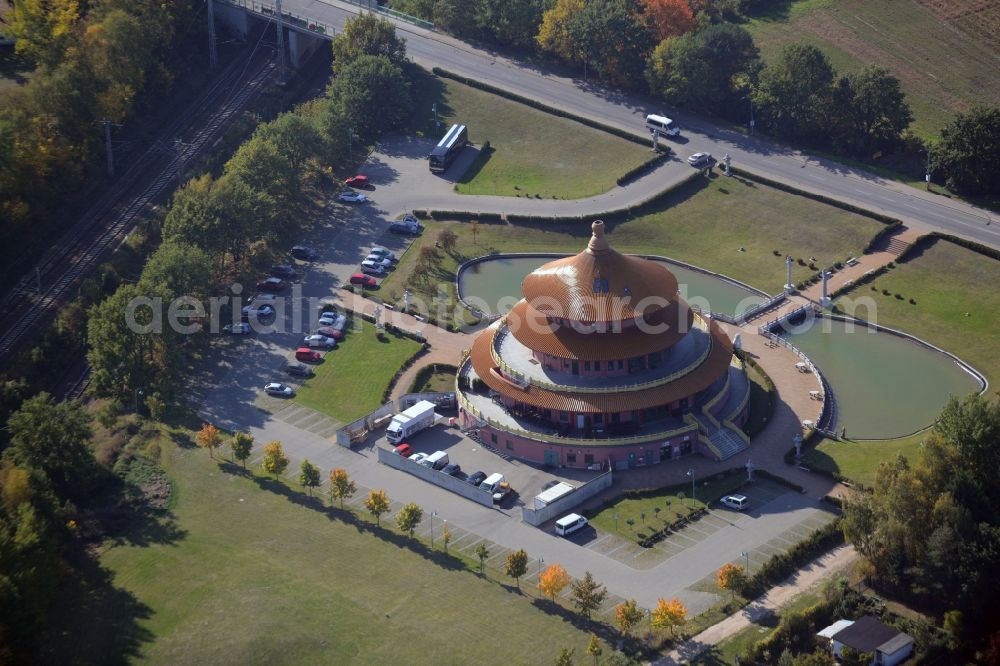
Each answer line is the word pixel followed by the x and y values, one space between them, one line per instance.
pixel 319 341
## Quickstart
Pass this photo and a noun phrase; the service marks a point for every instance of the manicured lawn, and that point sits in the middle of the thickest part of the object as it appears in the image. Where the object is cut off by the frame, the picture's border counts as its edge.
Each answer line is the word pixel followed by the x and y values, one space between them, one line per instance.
pixel 946 281
pixel 443 380
pixel 250 571
pixel 533 153
pixel 674 502
pixel 859 459
pixel 351 379
pixel 704 223
pixel 942 52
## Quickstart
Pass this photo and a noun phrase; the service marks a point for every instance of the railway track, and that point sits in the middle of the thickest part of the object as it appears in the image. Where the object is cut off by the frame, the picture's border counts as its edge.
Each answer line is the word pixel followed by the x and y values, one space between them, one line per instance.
pixel 103 227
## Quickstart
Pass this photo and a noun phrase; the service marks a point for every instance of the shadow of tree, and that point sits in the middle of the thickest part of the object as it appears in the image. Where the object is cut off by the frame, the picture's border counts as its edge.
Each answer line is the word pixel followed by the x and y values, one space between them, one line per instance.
pixel 92 621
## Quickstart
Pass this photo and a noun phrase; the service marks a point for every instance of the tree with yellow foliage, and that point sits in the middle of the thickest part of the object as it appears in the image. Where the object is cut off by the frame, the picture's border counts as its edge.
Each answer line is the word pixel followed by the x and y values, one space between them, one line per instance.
pixel 628 615
pixel 731 577
pixel 555 34
pixel 669 614
pixel 377 503
pixel 275 461
pixel 209 438
pixel 553 581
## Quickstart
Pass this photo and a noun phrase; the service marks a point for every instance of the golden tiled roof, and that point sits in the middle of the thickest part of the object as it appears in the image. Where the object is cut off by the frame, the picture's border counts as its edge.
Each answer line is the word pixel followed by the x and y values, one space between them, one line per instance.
pixel 531 329
pixel 599 284
pixel 698 379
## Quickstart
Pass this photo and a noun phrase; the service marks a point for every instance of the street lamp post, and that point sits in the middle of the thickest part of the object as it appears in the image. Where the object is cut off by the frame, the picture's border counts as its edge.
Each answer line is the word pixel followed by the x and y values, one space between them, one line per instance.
pixel 690 473
pixel 433 515
pixel 927 171
pixel 752 122
pixel 746 557
pixel 541 563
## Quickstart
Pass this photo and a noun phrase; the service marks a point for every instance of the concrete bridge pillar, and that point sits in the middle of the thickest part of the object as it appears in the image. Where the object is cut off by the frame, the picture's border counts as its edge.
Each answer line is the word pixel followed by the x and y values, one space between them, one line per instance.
pixel 234 18
pixel 301 46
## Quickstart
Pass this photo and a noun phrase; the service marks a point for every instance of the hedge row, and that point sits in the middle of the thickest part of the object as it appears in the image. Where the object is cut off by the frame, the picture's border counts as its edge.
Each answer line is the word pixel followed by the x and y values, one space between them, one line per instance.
pixel 884 219
pixel 660 535
pixel 990 252
pixel 387 394
pixel 475 83
pixel 610 216
pixel 644 168
pixel 783 565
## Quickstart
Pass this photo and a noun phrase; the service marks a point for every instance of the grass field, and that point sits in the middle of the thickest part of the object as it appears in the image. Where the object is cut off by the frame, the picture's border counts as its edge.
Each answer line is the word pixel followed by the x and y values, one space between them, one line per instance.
pixel 859 459
pixel 946 281
pixel 532 152
pixel 350 381
pixel 673 503
pixel 247 570
pixel 944 52
pixel 439 381
pixel 687 226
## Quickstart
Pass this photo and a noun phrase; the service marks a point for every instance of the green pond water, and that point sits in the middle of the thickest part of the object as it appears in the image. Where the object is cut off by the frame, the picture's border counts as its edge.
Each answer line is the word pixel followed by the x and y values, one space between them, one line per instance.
pixel 497 282
pixel 885 385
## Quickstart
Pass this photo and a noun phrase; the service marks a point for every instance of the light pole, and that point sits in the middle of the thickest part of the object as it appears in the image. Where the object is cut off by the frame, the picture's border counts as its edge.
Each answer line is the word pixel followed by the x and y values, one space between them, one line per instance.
pixel 541 563
pixel 746 557
pixel 691 474
pixel 433 515
pixel 137 395
pixel 927 171
pixel 752 122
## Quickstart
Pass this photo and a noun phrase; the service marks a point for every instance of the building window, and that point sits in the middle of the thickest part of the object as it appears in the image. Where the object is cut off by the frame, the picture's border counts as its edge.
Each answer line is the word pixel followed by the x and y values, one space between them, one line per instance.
pixel 510 445
pixel 563 416
pixel 586 366
pixel 621 364
pixel 597 366
pixel 493 437
pixel 598 419
pixel 588 458
pixel 571 457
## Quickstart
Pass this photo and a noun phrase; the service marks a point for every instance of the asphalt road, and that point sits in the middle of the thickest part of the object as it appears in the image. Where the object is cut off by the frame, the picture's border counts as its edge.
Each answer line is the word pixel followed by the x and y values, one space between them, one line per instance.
pixel 922 210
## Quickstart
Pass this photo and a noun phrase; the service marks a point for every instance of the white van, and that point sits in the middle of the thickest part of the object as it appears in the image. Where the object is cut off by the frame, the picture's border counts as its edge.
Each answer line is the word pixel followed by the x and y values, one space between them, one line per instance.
pixel 662 124
pixel 738 502
pixel 569 524
pixel 492 483
pixel 436 460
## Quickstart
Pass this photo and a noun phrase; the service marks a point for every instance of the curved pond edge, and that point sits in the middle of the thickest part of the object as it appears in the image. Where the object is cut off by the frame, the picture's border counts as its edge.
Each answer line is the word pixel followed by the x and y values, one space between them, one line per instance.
pixel 559 255
pixel 828 393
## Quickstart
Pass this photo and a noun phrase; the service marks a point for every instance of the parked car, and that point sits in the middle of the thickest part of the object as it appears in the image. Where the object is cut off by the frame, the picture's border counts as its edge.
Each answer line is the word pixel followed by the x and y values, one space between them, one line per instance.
pixel 283 271
pixel 418 457
pixel 404 450
pixel 330 332
pixel 360 181
pixel 452 469
pixel 319 341
pixel 378 259
pixel 476 478
pixel 366 281
pixel 738 502
pixel 371 268
pixel 257 310
pixel 236 329
pixel 262 298
pixel 335 320
pixel 304 253
pixel 408 225
pixel 308 355
pixel 700 160
pixel 274 388
pixel 300 369
pixel 350 196
pixel 570 523
pixel 271 284
pixel 383 252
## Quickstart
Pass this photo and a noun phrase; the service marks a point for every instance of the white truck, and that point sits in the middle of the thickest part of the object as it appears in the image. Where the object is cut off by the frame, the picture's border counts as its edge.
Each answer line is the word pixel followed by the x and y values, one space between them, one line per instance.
pixel 411 421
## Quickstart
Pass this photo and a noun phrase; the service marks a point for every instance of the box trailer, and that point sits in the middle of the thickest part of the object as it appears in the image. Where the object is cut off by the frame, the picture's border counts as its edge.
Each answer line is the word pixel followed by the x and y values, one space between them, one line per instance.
pixel 411 421
pixel 550 495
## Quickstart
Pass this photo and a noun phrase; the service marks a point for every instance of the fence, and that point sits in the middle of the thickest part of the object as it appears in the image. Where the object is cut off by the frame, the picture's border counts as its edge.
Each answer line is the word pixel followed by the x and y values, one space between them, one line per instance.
pixel 441 399
pixel 356 431
pixel 438 478
pixel 373 6
pixel 568 501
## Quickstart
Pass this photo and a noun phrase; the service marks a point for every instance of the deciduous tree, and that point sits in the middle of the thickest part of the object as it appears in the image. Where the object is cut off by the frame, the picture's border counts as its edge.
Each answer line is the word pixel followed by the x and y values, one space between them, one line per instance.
pixel 668 18
pixel 794 94
pixel 275 461
pixel 373 94
pixel 628 615
pixel 367 35
pixel 731 577
pixel 341 486
pixel 377 504
pixel 553 581
pixel 241 444
pixel 969 152
pixel 669 614
pixel 309 476
pixel 482 552
pixel 43 28
pixel 409 517
pixel 555 34
pixel 587 594
pixel 594 648
pixel 210 438
pixel 517 565
pixel 870 111
pixel 565 657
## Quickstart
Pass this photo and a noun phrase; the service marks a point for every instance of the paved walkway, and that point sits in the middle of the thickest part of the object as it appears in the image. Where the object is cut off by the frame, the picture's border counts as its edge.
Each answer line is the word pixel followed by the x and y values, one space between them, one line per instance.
pixel 812 574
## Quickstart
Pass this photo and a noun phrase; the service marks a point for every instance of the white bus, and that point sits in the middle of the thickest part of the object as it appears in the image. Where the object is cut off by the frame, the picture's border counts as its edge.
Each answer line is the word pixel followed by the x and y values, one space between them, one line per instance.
pixel 662 124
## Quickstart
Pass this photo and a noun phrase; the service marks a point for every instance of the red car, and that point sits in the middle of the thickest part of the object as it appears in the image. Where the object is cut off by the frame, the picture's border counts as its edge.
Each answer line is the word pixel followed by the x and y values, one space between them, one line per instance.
pixel 271 284
pixel 404 450
pixel 366 281
pixel 308 355
pixel 359 181
pixel 330 332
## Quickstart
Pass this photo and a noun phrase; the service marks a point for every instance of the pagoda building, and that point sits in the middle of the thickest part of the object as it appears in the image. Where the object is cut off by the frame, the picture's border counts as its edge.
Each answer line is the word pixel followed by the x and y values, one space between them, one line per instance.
pixel 603 364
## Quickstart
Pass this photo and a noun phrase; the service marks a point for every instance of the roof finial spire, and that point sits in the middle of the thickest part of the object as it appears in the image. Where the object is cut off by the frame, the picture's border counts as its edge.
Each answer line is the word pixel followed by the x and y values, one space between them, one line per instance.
pixel 598 243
